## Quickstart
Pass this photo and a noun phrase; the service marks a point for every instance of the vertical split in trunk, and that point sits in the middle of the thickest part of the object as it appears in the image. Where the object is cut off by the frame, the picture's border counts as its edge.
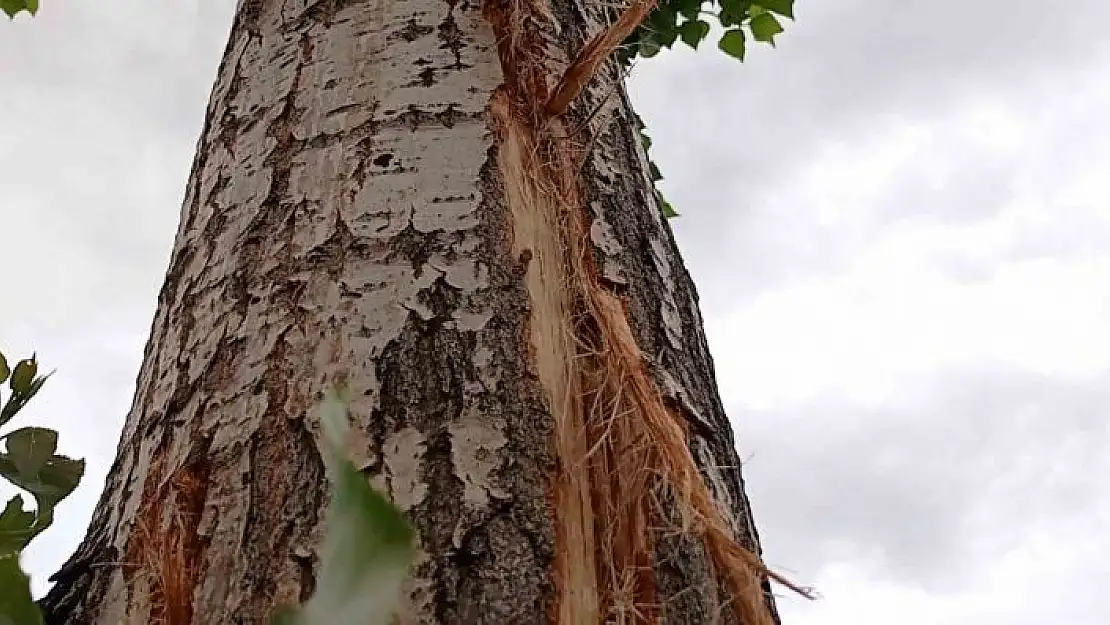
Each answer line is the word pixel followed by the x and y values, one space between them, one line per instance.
pixel 636 457
pixel 536 227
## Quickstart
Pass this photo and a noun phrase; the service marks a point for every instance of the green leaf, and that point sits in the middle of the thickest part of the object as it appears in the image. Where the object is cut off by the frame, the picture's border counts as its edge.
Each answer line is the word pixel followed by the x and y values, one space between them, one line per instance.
pixel 18 400
pixel 694 32
pixel 667 37
pixel 688 8
pixel 656 175
pixel 665 206
pixel 368 547
pixel 30 449
pixel 732 12
pixel 782 7
pixel 17 607
pixel 663 19
pixel 649 47
pixel 5 370
pixel 732 43
pixel 765 27
pixel 23 375
pixel 17 527
pixel 55 480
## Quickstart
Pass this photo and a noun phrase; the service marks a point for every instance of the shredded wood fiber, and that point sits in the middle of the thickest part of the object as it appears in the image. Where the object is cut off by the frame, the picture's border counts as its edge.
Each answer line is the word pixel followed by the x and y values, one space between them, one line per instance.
pixel 619 446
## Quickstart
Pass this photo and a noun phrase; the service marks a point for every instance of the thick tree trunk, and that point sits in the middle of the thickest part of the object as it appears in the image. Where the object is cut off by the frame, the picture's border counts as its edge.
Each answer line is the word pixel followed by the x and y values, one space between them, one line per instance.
pixel 364 205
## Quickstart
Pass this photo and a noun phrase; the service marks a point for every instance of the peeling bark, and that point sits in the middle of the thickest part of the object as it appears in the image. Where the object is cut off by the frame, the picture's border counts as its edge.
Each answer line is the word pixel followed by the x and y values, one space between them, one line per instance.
pixel 353 212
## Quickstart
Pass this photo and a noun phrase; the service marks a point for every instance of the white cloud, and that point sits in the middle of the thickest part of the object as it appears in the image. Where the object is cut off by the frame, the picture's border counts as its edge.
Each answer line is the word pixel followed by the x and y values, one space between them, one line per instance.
pixel 893 318
pixel 1044 580
pixel 1019 280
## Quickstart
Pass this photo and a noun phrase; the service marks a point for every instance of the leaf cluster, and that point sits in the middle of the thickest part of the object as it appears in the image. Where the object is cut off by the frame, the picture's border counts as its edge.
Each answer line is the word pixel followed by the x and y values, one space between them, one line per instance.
pixel 688 21
pixel 29 462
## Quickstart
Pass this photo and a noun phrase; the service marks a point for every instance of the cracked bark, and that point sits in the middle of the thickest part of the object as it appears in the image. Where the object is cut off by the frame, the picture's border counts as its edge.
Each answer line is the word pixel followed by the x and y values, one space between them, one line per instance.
pixel 345 216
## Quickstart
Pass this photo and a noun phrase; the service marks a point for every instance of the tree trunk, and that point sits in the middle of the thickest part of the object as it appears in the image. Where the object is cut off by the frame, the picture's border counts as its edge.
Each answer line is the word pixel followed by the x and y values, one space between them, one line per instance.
pixel 377 197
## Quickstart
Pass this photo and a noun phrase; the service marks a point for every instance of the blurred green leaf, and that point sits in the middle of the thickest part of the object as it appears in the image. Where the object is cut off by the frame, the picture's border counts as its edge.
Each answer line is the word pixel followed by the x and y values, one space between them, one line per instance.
pixel 782 7
pixel 688 8
pixel 664 18
pixel 665 206
pixel 53 482
pixel 16 527
pixel 732 43
pixel 5 370
pixel 368 546
pixel 17 607
pixel 23 375
pixel 13 7
pixel 693 32
pixel 765 27
pixel 18 400
pixel 649 47
pixel 30 448
pixel 732 12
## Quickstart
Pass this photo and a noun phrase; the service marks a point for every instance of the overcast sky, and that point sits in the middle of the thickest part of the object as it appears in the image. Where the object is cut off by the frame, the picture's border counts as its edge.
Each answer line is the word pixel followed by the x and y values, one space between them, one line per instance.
pixel 899 226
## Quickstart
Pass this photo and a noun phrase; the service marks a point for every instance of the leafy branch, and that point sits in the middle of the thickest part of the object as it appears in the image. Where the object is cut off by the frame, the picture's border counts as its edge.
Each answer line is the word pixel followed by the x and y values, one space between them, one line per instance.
pixel 30 463
pixel 683 20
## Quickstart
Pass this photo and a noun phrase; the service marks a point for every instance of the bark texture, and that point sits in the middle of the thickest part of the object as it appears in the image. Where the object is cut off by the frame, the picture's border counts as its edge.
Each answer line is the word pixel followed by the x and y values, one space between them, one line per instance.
pixel 351 214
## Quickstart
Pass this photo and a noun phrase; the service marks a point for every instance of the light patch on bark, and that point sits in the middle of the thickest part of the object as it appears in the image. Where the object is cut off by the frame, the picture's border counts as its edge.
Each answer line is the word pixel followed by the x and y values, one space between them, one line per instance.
pixel 668 307
pixel 466 274
pixel 403 454
pixel 715 480
pixel 605 241
pixel 477 445
pixel 471 321
pixel 123 605
pixel 420 594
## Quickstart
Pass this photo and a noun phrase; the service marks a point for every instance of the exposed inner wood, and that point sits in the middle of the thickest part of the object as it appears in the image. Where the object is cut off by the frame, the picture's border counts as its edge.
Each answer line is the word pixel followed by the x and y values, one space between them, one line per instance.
pixel 637 449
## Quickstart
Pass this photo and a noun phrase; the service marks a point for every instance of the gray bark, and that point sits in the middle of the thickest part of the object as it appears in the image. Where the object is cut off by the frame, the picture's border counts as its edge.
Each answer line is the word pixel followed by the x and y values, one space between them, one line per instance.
pixel 345 217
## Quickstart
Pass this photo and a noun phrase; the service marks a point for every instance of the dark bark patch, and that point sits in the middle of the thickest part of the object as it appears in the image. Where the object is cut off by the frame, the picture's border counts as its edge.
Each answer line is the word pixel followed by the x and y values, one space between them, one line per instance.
pixel 452 37
pixel 412 31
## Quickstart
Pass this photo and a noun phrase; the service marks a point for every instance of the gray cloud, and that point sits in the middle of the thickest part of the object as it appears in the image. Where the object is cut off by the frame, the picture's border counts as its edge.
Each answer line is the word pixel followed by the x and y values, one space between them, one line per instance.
pixel 728 135
pixel 109 104
pixel 932 487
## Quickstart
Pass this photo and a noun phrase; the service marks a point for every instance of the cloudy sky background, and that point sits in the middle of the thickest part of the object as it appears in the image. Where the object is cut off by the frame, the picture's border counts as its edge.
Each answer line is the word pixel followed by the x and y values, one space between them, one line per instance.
pixel 899 226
